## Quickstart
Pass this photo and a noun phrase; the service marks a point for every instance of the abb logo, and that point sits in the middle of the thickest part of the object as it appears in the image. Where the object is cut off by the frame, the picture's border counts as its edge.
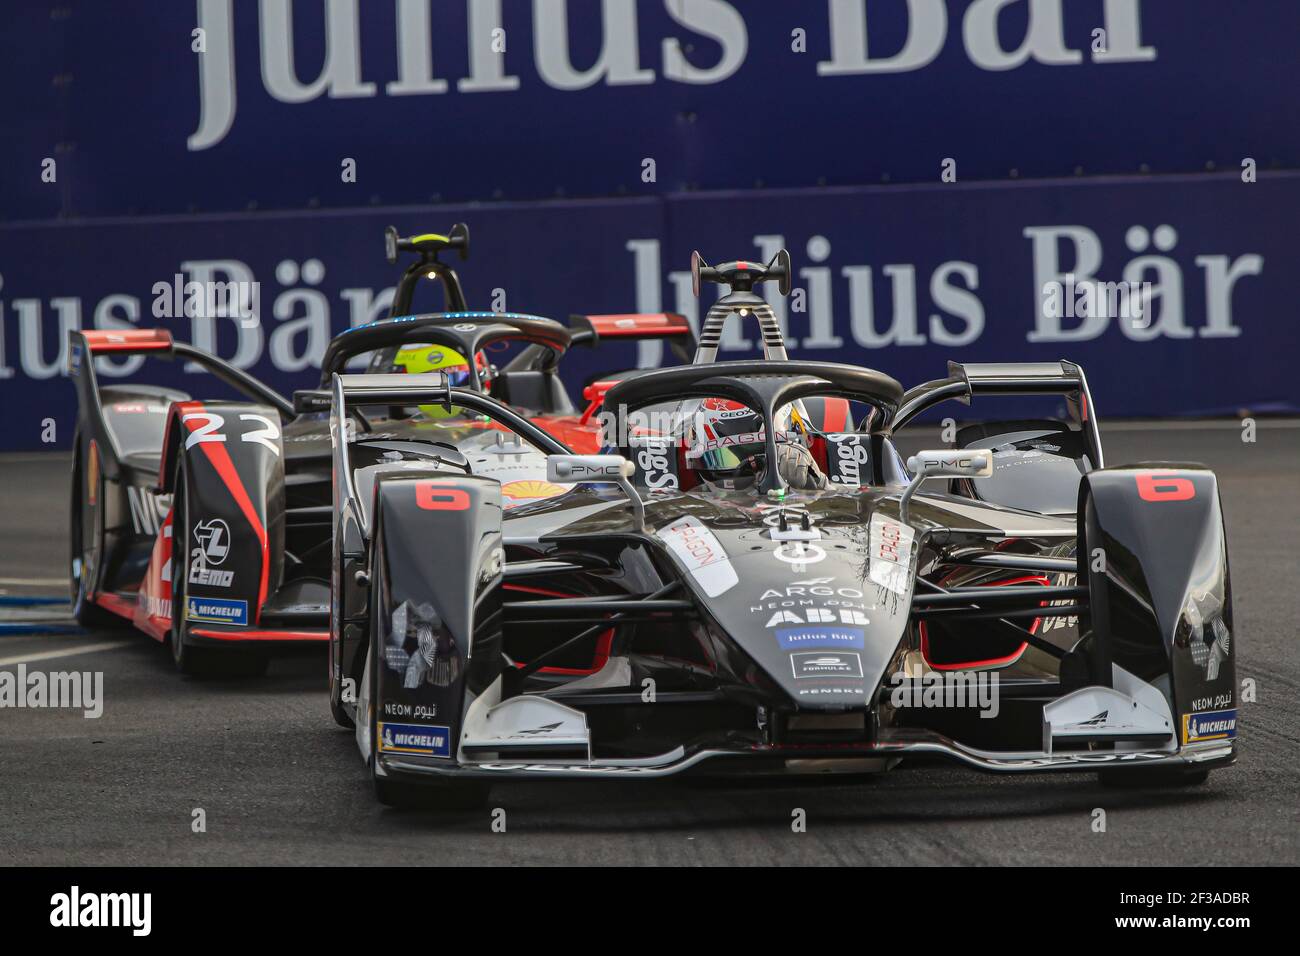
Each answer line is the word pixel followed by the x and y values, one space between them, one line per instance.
pixel 1162 486
pixel 435 497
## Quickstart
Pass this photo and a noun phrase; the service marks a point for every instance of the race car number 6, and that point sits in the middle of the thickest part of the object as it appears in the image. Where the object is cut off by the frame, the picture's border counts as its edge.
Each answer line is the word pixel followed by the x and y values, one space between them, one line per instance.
pixel 1158 486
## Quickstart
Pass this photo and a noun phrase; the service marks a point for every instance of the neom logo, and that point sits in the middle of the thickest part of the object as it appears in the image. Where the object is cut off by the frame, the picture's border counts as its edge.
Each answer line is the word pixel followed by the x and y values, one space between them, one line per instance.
pixel 77 909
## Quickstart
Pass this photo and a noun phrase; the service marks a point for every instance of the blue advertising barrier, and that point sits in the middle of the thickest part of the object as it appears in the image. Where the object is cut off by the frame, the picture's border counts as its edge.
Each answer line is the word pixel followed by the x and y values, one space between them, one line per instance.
pixel 148 107
pixel 897 278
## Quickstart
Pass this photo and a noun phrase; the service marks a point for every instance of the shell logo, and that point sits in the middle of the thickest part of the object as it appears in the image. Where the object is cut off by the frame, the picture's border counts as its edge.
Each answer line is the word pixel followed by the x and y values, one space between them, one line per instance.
pixel 530 490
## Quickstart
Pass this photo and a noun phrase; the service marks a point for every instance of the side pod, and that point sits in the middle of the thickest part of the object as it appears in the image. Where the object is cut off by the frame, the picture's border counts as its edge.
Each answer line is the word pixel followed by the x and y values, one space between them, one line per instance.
pixel 435 624
pixel 1153 550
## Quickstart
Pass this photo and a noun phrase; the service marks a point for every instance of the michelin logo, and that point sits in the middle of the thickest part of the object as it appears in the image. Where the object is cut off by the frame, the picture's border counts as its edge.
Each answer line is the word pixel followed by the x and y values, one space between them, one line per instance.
pixel 1215 725
pixel 217 611
pixel 415 739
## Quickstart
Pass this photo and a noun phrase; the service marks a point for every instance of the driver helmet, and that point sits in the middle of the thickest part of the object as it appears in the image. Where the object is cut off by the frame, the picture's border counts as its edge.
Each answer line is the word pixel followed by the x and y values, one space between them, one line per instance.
pixel 416 359
pixel 728 444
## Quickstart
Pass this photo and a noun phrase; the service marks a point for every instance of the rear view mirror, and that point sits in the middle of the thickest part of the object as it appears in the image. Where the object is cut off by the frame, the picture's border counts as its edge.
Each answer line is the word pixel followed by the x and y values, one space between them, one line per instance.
pixel 952 463
pixel 573 469
pixel 598 469
pixel 944 463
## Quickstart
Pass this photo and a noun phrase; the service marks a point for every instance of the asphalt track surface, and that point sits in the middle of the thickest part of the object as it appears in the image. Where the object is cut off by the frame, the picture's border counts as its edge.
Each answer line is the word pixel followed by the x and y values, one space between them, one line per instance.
pixel 281 784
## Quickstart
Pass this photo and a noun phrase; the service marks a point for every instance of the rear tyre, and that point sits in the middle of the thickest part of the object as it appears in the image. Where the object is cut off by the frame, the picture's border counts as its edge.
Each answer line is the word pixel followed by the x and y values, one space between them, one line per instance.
pixel 85 554
pixel 199 661
pixel 1144 778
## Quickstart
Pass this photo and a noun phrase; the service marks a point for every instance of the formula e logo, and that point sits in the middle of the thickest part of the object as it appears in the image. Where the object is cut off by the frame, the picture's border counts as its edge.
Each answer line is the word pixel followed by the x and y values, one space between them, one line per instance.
pixel 814 664
pixel 213 537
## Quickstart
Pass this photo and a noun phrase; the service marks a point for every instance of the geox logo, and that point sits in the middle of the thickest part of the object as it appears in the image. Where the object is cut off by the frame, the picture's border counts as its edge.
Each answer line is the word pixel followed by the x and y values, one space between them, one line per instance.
pixel 74 909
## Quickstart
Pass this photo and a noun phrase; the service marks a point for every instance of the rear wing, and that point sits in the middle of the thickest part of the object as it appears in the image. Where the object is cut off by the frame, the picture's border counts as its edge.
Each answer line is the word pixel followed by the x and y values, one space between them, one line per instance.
pixel 160 344
pixel 671 327
pixel 99 341
pixel 85 345
pixel 1010 378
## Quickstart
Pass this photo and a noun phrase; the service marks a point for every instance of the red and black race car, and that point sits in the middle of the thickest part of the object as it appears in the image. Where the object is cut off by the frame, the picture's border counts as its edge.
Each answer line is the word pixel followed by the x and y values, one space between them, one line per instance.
pixel 206 523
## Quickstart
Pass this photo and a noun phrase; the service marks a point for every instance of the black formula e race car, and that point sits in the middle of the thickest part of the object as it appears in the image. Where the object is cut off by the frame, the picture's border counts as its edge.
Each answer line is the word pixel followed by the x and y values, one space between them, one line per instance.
pixel 752 581
pixel 240 491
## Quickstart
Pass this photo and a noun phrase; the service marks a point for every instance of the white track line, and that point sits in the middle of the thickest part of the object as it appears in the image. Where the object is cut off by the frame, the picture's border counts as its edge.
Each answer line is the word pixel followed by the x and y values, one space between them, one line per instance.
pixel 65 652
pixel 35 582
